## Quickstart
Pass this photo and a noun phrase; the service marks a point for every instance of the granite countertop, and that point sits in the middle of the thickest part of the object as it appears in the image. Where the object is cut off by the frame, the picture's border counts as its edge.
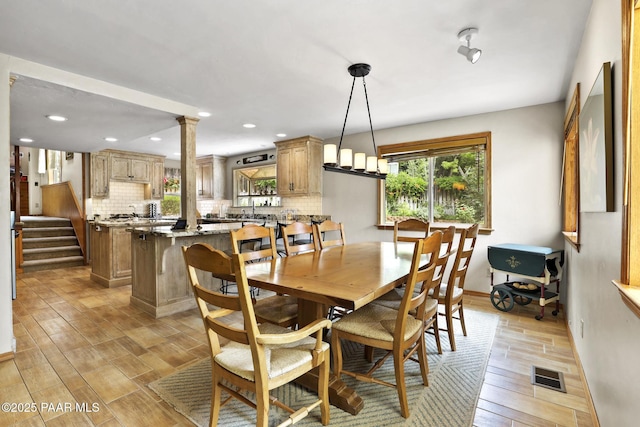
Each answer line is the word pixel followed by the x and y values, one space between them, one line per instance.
pixel 140 222
pixel 205 229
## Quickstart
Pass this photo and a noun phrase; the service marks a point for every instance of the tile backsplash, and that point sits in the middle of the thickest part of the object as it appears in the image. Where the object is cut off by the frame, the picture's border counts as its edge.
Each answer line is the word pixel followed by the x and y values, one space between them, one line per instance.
pixel 127 197
pixel 122 195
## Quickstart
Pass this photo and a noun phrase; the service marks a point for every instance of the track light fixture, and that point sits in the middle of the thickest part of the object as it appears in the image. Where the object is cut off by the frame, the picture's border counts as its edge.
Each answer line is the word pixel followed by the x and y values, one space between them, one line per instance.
pixel 472 54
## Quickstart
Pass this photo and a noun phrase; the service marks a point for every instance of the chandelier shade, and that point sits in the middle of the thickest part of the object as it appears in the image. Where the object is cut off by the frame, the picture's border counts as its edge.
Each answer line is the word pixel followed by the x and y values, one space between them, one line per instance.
pixel 338 159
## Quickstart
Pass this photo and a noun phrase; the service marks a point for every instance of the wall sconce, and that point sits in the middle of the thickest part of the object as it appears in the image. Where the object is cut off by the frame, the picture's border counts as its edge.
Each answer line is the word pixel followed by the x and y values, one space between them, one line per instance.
pixel 338 159
pixel 472 54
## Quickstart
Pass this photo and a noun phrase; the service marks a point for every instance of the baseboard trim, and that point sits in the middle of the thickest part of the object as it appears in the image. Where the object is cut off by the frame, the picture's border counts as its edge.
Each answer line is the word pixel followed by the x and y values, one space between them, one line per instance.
pixel 7 356
pixel 589 398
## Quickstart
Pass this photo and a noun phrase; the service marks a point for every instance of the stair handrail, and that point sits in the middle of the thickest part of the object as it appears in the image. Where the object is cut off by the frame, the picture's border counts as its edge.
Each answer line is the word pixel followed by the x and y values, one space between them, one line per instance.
pixel 60 200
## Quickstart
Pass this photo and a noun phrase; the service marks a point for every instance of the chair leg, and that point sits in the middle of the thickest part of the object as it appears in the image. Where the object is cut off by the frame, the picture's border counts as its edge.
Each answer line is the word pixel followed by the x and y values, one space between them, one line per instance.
pixel 398 362
pixel 368 353
pixel 436 333
pixel 323 391
pixel 424 362
pixel 452 339
pixel 461 315
pixel 216 396
pixel 262 408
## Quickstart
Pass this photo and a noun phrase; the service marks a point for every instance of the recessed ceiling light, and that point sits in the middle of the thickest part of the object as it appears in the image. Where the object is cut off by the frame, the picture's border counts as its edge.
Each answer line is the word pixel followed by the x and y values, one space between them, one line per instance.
pixel 56 118
pixel 281 135
pixel 26 140
pixel 249 125
pixel 204 114
pixel 110 139
pixel 155 138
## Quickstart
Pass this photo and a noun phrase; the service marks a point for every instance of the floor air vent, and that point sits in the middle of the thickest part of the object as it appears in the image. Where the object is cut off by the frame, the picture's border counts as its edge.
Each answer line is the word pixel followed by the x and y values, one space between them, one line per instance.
pixel 547 378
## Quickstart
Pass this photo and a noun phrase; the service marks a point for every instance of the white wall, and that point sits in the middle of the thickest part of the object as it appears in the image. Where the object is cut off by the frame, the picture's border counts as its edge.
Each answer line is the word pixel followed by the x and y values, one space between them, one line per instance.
pixel 526 158
pixel 610 346
pixel 72 172
pixel 6 314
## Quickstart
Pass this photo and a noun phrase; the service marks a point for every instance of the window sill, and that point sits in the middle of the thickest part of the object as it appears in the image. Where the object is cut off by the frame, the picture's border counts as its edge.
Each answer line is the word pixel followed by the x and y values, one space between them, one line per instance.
pixel 439 227
pixel 572 238
pixel 630 296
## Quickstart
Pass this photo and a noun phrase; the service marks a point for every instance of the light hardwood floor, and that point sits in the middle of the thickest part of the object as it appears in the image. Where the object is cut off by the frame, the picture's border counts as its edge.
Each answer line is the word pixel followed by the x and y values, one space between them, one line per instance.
pixel 80 342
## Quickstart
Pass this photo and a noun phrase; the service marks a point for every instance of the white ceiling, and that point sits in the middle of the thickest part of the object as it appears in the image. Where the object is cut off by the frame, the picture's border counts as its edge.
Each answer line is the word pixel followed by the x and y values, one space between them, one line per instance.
pixel 281 65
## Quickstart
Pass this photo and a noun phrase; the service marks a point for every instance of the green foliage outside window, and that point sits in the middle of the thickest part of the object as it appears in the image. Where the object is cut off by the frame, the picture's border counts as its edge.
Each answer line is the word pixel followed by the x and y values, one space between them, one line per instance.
pixel 458 191
pixel 170 206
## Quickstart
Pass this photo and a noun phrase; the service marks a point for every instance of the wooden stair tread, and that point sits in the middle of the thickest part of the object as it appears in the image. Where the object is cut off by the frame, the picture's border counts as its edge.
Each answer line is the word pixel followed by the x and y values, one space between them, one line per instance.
pixel 47 239
pixel 51 249
pixel 52 260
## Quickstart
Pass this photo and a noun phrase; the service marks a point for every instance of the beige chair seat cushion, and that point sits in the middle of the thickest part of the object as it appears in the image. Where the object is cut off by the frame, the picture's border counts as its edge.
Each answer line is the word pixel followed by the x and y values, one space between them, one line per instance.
pixel 277 309
pixel 392 300
pixel 375 321
pixel 280 359
pixel 443 292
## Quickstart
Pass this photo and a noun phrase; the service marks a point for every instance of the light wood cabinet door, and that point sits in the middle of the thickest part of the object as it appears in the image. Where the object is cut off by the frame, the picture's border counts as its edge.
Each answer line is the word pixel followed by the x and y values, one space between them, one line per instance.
pixel 140 170
pixel 210 173
pixel 299 167
pixel 219 181
pixel 155 189
pixel 120 168
pixel 204 177
pixel 121 252
pixel 99 175
pixel 125 168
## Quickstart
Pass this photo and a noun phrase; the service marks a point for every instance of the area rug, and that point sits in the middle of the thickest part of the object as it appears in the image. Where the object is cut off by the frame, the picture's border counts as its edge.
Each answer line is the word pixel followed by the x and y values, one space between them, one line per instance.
pixel 455 380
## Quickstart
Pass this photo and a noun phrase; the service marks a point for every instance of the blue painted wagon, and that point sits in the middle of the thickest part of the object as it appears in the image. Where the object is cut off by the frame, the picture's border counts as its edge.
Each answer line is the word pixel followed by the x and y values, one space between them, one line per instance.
pixel 536 266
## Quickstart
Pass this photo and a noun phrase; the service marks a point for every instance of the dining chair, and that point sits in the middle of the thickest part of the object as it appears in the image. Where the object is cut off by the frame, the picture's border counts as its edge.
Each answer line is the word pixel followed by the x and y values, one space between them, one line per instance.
pixel 329 233
pixel 451 294
pixel 256 358
pixel 281 310
pixel 393 299
pixel 417 228
pixel 398 331
pixel 293 246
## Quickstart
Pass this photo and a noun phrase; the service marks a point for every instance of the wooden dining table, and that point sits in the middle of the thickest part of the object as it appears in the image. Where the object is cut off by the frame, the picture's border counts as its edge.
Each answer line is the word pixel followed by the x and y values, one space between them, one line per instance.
pixel 348 276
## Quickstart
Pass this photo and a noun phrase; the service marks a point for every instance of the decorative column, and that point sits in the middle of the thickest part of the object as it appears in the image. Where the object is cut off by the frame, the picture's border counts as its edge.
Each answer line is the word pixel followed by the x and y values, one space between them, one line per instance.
pixel 188 169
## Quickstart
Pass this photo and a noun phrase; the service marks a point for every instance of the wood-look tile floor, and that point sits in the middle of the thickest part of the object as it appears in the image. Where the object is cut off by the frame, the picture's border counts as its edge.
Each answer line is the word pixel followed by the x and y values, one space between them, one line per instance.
pixel 85 356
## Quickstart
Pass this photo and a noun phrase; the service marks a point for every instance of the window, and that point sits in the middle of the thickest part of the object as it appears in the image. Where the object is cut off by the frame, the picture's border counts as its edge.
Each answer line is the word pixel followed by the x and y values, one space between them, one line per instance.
pixel 255 186
pixel 444 181
pixel 629 283
pixel 570 176
pixel 54 166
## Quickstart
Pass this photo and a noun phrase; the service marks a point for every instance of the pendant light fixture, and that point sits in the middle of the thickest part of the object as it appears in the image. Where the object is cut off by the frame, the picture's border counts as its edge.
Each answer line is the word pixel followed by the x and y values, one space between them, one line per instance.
pixel 338 159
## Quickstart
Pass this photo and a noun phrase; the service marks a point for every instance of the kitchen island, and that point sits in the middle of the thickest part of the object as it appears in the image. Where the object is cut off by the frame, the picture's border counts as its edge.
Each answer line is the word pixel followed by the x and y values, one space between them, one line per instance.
pixel 159 282
pixel 110 248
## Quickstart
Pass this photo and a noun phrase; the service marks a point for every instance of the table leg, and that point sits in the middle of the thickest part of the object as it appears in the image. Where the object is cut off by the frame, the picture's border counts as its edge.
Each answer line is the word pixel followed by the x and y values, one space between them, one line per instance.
pixel 340 395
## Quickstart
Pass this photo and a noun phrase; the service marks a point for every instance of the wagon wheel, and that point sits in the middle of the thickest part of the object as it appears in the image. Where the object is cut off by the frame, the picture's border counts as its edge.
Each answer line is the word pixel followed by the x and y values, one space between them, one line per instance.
pixel 522 300
pixel 502 300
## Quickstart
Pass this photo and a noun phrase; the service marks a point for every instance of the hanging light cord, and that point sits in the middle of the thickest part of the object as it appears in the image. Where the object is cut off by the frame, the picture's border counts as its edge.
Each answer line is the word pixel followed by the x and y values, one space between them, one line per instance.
pixel 366 97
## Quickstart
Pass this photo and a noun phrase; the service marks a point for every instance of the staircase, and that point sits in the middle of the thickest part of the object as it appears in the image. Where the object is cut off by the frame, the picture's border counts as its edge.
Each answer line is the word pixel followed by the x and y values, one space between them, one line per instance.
pixel 49 243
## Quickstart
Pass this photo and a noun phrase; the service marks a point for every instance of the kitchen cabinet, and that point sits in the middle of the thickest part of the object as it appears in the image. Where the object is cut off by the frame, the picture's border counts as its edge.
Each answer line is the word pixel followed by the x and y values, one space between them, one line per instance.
pixel 114 165
pixel 110 255
pixel 210 177
pixel 155 189
pixel 99 175
pixel 129 168
pixel 299 165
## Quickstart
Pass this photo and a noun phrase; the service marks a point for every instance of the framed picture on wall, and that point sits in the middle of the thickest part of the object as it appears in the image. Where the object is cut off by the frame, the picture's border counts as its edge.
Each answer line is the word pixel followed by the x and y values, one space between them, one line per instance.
pixel 596 146
pixel 68 155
